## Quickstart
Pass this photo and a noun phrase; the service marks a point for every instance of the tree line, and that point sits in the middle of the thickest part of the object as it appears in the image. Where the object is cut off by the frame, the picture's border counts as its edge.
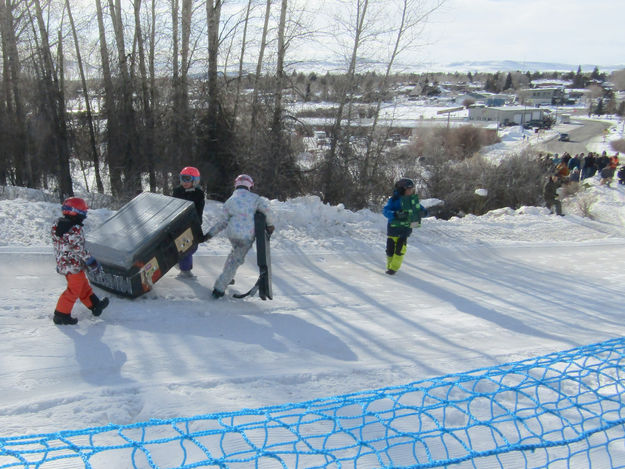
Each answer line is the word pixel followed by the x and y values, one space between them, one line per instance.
pixel 136 90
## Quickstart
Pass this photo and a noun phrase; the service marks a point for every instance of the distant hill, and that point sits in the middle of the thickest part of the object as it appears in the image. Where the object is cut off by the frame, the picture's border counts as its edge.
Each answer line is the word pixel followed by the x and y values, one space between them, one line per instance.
pixel 323 66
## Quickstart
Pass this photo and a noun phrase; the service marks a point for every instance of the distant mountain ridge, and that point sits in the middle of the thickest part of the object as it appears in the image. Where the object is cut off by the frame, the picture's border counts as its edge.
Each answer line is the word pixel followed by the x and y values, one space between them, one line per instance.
pixel 489 66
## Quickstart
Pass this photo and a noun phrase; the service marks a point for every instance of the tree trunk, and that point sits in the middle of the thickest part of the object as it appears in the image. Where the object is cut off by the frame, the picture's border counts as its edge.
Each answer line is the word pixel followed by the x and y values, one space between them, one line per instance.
pixel 18 157
pixel 114 147
pixel 334 170
pixel 259 69
pixel 213 13
pixel 92 139
pixel 130 153
pixel 54 107
pixel 277 111
pixel 237 95
pixel 412 15
pixel 145 96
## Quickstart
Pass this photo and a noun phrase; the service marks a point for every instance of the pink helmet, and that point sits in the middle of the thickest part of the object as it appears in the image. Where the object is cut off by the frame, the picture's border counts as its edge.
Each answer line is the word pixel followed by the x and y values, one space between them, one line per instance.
pixel 190 173
pixel 244 180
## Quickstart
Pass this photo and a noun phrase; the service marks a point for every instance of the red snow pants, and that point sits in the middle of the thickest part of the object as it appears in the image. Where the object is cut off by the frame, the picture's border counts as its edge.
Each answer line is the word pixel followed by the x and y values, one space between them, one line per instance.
pixel 78 287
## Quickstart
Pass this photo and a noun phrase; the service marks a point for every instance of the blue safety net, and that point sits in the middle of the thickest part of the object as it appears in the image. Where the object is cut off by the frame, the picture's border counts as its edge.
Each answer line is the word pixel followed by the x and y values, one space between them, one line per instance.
pixel 565 409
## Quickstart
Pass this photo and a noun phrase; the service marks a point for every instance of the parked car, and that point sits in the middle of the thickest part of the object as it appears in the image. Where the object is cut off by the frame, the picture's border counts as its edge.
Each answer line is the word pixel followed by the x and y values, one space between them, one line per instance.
pixel 564 137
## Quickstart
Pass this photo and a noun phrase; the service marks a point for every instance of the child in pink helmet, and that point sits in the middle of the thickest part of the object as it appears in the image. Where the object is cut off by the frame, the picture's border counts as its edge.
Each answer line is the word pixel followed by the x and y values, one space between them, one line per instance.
pixel 237 219
pixel 189 189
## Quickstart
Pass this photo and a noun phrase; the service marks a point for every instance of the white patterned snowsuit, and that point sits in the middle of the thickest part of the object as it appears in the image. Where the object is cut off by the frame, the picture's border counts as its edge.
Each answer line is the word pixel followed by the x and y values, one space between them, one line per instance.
pixel 238 219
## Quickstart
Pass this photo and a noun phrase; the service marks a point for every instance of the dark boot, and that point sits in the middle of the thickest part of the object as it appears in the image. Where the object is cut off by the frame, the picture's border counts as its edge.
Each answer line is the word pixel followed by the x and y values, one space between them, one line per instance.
pixel 62 318
pixel 98 305
pixel 217 293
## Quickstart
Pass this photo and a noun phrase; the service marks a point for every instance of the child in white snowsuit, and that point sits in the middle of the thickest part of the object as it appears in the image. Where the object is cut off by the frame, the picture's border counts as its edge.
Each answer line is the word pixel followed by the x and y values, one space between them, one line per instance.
pixel 238 219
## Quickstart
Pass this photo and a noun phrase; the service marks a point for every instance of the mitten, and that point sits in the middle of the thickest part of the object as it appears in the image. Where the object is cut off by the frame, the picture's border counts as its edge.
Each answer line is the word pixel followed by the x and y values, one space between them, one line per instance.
pixel 93 265
pixel 401 215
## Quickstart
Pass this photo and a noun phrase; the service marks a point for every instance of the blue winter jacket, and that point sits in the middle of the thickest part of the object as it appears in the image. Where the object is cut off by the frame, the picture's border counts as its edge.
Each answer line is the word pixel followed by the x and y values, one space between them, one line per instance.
pixel 397 203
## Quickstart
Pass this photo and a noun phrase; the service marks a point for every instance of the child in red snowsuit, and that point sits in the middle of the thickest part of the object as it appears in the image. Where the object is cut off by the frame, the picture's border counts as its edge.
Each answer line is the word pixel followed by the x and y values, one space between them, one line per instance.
pixel 68 239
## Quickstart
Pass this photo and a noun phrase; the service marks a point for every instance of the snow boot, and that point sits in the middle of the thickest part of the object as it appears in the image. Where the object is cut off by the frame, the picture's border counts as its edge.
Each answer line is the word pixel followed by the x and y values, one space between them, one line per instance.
pixel 217 293
pixel 391 272
pixel 185 274
pixel 62 319
pixel 98 305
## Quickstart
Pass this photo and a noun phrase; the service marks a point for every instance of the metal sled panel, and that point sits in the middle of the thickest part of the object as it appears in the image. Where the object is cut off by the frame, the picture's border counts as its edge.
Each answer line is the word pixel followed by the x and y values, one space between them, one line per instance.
pixel 136 225
pixel 142 241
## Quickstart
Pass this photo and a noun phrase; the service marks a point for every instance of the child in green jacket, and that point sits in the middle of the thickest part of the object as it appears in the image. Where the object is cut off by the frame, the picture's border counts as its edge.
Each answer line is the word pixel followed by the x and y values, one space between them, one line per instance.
pixel 403 211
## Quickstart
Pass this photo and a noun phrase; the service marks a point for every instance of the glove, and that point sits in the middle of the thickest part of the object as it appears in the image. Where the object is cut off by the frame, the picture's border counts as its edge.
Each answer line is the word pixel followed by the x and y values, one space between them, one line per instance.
pixel 206 237
pixel 401 215
pixel 270 229
pixel 93 265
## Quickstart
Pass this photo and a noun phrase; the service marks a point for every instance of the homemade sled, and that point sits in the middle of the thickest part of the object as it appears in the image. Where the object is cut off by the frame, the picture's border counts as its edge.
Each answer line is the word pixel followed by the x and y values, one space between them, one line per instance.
pixel 142 241
pixel 263 259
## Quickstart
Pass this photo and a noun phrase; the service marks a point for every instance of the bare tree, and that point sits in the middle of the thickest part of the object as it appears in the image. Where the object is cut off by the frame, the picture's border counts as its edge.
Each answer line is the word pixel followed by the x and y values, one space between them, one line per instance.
pixel 95 155
pixel 148 114
pixel 53 106
pixel 412 15
pixel 237 95
pixel 259 68
pixel 335 177
pixel 15 119
pixel 279 83
pixel 113 129
pixel 382 31
pixel 213 15
pixel 130 152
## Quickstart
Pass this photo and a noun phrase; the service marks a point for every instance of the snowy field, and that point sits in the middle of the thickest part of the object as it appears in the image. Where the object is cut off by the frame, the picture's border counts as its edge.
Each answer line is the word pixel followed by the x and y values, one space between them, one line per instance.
pixel 473 292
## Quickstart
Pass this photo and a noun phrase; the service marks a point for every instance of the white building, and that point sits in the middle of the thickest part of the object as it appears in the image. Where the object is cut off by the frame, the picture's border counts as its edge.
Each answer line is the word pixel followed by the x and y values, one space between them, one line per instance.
pixel 506 115
pixel 540 96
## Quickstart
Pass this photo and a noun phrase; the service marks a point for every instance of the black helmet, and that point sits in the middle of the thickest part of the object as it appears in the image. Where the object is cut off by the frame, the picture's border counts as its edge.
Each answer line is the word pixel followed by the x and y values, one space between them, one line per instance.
pixel 403 184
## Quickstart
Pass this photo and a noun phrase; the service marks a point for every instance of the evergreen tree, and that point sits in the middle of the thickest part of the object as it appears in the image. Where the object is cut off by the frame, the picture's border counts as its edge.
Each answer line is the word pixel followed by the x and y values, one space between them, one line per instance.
pixel 578 81
pixel 508 83
pixel 595 75
pixel 528 75
pixel 599 110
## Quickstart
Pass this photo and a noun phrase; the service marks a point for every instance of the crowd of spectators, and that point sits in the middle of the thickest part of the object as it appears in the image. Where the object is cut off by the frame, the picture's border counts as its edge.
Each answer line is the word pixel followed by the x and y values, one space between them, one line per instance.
pixel 576 168
pixel 566 169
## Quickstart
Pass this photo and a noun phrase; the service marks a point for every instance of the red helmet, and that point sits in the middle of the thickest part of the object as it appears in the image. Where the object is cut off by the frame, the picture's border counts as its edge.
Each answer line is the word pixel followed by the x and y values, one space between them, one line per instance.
pixel 190 174
pixel 75 206
pixel 190 171
pixel 244 180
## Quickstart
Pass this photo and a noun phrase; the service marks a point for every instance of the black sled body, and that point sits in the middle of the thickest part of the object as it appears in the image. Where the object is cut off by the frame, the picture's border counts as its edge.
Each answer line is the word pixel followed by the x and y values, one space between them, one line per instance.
pixel 142 241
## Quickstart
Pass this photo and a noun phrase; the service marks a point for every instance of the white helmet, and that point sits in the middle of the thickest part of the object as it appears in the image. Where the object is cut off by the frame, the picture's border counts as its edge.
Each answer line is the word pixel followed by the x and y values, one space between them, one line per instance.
pixel 244 180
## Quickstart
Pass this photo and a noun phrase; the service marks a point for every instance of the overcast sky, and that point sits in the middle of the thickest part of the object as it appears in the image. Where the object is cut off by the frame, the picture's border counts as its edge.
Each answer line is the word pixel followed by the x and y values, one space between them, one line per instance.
pixel 557 31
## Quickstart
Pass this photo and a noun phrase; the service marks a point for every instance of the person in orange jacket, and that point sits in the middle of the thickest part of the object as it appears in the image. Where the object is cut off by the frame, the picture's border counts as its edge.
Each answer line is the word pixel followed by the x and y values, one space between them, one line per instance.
pixel 68 239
